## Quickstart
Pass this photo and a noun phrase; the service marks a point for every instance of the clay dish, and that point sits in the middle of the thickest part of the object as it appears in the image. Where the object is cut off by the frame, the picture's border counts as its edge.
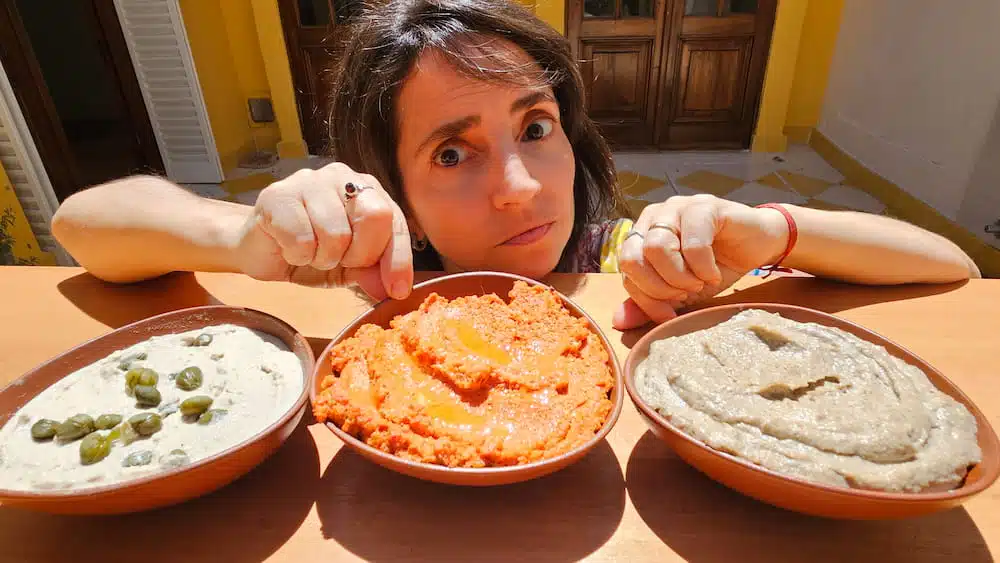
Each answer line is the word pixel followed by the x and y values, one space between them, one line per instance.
pixel 798 494
pixel 450 287
pixel 176 485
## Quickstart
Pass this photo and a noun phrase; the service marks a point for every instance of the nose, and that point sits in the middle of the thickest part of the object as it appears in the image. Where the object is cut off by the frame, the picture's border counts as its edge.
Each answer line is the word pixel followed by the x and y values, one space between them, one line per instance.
pixel 517 186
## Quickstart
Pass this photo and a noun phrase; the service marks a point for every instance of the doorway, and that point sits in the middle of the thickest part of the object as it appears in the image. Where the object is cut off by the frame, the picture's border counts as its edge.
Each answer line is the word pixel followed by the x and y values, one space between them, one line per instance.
pixel 75 83
pixel 673 74
pixel 313 33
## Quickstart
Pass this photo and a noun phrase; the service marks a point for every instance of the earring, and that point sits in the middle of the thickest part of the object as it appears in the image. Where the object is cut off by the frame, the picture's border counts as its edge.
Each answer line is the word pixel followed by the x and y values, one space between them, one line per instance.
pixel 418 244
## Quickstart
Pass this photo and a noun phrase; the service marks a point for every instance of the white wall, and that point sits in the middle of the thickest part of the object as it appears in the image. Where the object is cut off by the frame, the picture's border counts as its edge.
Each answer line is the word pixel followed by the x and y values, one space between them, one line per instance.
pixel 913 94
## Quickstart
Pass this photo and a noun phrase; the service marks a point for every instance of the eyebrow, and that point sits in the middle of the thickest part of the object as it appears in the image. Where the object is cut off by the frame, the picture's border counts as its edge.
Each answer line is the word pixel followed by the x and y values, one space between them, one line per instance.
pixel 459 126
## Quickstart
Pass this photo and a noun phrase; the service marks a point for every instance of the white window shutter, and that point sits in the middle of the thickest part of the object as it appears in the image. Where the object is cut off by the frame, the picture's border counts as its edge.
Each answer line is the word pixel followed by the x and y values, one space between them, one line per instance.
pixel 24 168
pixel 157 41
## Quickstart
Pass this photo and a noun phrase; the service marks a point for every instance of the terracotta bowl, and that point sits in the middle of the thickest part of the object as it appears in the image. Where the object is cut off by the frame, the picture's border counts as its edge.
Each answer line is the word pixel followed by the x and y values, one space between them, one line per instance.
pixel 177 485
pixel 450 287
pixel 797 494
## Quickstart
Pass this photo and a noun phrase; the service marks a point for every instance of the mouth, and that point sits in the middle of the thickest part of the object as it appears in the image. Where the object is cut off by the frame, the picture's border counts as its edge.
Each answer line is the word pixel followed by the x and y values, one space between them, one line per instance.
pixel 529 236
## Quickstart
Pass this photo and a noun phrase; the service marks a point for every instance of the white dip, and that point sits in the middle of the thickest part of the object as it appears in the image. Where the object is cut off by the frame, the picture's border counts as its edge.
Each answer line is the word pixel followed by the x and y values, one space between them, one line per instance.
pixel 251 375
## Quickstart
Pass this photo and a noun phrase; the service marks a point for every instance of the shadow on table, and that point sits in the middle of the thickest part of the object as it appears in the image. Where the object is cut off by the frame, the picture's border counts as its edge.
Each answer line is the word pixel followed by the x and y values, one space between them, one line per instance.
pixel 246 521
pixel 383 516
pixel 822 295
pixel 117 305
pixel 705 522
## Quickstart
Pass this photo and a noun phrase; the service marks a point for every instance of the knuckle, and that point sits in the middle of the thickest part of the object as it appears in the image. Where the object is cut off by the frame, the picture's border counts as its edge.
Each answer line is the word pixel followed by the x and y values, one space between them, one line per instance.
pixel 629 263
pixel 370 180
pixel 338 240
pixel 661 245
pixel 703 198
pixel 338 168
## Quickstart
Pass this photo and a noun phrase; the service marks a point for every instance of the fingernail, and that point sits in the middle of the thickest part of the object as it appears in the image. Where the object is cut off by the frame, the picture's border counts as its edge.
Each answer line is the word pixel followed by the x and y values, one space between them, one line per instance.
pixel 400 289
pixel 618 318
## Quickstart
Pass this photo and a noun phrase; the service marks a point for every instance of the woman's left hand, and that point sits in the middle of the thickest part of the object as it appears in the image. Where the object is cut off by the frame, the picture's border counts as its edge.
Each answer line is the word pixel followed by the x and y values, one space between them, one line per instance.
pixel 688 249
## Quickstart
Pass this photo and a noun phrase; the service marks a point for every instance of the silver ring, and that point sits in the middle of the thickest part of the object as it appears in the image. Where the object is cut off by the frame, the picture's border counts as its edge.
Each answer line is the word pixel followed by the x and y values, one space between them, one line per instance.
pixel 670 228
pixel 633 233
pixel 352 190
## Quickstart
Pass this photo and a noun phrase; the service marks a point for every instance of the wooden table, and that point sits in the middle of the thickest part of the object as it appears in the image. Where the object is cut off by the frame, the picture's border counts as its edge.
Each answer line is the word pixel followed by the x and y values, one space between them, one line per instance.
pixel 629 500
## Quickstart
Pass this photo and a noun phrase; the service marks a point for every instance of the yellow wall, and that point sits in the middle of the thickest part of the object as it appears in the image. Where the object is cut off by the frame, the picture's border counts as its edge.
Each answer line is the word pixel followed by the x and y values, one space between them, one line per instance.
pixel 553 12
pixel 227 55
pixel 271 39
pixel 802 44
pixel 819 39
pixel 25 247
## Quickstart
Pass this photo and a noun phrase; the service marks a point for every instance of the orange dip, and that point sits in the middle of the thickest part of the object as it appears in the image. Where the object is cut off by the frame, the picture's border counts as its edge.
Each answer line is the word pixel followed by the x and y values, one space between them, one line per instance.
pixel 473 382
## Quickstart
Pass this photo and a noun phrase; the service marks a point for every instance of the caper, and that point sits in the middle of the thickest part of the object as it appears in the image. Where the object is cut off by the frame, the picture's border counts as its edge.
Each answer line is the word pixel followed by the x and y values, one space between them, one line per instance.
pixel 108 421
pixel 147 395
pixel 135 459
pixel 203 339
pixel 94 448
pixel 146 424
pixel 175 458
pixel 76 426
pixel 123 434
pixel 44 429
pixel 195 406
pixel 189 378
pixel 141 376
pixel 126 362
pixel 210 416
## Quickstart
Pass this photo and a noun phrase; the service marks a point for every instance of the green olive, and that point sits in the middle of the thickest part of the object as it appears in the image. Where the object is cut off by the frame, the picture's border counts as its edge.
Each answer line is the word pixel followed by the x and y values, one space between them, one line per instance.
pixel 204 339
pixel 146 424
pixel 126 362
pixel 94 448
pixel 123 434
pixel 44 429
pixel 189 378
pixel 108 421
pixel 76 426
pixel 135 459
pixel 211 416
pixel 141 376
pixel 147 395
pixel 195 406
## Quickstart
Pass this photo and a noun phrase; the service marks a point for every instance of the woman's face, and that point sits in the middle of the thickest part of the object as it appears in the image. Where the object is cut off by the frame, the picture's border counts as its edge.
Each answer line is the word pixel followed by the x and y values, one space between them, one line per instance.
pixel 486 167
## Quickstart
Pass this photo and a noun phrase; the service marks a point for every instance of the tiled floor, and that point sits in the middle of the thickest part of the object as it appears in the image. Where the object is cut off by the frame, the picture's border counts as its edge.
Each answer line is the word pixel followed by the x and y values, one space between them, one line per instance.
pixel 798 176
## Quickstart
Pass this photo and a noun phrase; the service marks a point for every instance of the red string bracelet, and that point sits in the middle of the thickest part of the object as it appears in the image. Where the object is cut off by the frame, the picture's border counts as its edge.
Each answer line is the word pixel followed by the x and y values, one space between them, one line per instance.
pixel 793 236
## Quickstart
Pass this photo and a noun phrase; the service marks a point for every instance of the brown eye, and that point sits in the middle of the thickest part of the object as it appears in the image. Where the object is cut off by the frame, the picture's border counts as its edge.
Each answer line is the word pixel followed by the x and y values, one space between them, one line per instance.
pixel 450 156
pixel 538 129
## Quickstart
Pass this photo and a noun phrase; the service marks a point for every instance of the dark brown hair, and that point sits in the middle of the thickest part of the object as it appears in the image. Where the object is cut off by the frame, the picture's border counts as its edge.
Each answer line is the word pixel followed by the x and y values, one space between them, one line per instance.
pixel 383 46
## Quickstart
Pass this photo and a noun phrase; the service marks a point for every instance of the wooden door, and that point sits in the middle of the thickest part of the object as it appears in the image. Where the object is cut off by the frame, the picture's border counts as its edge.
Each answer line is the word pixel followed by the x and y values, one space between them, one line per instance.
pixel 71 74
pixel 714 72
pixel 618 43
pixel 314 30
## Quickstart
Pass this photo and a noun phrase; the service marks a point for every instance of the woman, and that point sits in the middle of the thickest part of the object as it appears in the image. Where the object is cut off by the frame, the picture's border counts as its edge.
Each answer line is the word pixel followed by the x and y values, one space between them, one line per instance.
pixel 462 143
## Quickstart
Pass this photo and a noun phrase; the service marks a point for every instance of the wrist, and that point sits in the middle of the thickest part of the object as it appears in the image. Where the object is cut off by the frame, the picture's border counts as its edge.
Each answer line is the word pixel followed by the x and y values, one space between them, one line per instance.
pixel 226 224
pixel 777 234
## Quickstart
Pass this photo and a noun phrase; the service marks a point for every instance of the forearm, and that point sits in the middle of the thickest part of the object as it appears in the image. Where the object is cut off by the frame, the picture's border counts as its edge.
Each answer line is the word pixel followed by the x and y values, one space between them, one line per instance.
pixel 142 227
pixel 872 249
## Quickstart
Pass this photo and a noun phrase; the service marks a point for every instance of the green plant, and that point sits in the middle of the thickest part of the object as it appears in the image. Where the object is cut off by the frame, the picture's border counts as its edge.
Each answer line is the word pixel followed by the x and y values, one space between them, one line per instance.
pixel 7 257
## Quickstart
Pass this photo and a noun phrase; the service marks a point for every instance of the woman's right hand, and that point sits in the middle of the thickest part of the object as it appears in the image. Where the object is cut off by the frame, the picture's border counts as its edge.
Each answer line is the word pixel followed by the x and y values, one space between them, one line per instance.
pixel 308 229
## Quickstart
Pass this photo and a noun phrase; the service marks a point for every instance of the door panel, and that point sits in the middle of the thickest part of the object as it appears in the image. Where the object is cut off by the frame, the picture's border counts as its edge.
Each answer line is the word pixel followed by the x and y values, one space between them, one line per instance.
pixel 714 72
pixel 618 43
pixel 713 75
